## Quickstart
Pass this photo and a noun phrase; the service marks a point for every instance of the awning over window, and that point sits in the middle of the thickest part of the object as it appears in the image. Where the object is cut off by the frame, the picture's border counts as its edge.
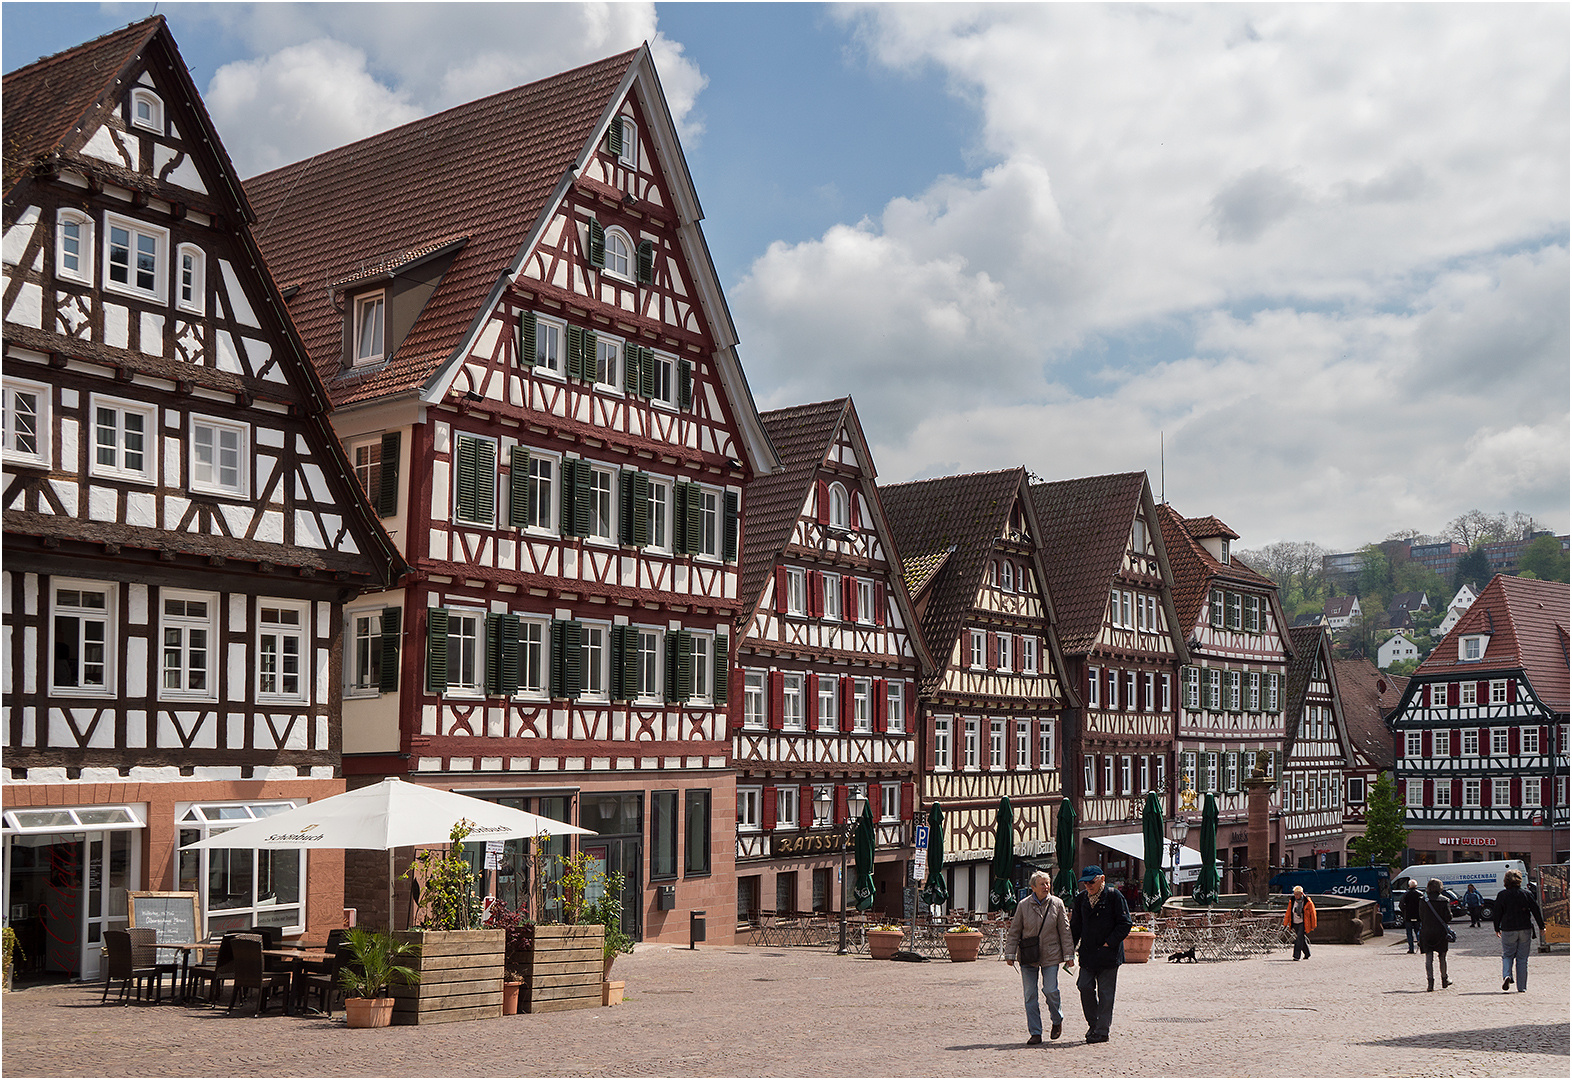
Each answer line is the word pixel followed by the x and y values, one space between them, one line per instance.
pixel 57 819
pixel 1134 845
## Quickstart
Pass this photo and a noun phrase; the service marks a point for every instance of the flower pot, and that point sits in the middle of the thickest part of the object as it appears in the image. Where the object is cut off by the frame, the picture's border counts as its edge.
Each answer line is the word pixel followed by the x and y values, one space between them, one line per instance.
pixel 510 998
pixel 368 1012
pixel 1138 946
pixel 883 944
pixel 963 947
pixel 611 993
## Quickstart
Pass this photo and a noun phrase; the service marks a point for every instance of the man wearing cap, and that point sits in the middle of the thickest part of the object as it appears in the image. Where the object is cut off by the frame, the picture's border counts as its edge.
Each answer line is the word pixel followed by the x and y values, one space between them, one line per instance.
pixel 1098 925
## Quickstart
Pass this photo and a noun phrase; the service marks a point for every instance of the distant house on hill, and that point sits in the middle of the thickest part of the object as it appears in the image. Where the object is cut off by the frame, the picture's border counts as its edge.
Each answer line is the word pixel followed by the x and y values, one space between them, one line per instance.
pixel 1400 612
pixel 1454 611
pixel 1310 618
pixel 1395 649
pixel 1341 610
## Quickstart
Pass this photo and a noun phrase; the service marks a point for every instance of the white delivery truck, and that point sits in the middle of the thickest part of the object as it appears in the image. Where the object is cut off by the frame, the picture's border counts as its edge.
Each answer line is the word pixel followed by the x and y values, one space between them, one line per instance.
pixel 1488 877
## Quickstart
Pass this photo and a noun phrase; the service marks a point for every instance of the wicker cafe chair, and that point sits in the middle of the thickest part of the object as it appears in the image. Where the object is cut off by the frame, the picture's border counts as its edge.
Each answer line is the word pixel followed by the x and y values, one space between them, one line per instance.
pixel 222 966
pixel 318 967
pixel 272 938
pixel 250 974
pixel 325 984
pixel 122 969
pixel 144 954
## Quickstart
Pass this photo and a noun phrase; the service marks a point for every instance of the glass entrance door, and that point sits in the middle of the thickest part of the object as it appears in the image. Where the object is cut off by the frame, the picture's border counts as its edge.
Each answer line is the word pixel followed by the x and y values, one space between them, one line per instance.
pixel 63 890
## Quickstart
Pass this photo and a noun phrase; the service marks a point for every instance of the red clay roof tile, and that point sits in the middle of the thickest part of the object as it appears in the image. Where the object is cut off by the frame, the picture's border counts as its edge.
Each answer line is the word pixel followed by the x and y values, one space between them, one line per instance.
pixel 1527 622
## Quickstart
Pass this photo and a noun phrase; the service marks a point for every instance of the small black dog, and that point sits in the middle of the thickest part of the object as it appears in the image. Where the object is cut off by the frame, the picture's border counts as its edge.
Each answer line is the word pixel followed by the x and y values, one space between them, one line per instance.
pixel 1185 957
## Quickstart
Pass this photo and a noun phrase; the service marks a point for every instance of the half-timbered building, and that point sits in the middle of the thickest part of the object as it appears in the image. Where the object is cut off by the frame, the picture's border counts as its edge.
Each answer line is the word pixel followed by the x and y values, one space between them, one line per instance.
pixel 989 713
pixel 182 530
pixel 827 669
pixel 1231 693
pixel 1316 752
pixel 514 309
pixel 1367 695
pixel 1108 575
pixel 1481 731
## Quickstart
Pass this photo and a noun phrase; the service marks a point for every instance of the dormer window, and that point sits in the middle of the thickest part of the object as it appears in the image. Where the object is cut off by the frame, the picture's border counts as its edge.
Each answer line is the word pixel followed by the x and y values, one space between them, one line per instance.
pixel 1138 537
pixel 147 111
pixel 1472 647
pixel 1223 557
pixel 839 514
pixel 369 318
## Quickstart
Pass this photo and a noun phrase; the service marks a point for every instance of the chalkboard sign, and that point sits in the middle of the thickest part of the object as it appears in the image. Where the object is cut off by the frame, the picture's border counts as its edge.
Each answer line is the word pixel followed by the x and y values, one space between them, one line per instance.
pixel 176 916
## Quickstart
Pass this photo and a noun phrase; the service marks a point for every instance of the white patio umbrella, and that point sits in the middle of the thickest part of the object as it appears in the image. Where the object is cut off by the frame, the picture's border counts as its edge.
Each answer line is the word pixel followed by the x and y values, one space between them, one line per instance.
pixel 385 816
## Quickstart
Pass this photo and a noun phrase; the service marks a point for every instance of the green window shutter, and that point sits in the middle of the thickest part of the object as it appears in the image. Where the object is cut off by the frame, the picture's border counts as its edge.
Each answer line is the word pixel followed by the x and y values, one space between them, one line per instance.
pixel 526 340
pixel 720 680
pixel 630 368
pixel 671 665
pixel 387 676
pixel 626 526
pixel 567 519
pixel 436 651
pixel 630 662
pixel 556 659
pixel 575 369
pixel 591 359
pixel 572 659
pixel 616 643
pixel 583 509
pixel 641 509
pixel 695 518
pixel 466 477
pixel 492 681
pixel 485 481
pixel 597 243
pixel 518 487
pixel 614 137
pixel 387 488
pixel 647 371
pixel 684 665
pixel 646 263
pixel 729 527
pixel 508 655
pixel 679 518
pixel 685 383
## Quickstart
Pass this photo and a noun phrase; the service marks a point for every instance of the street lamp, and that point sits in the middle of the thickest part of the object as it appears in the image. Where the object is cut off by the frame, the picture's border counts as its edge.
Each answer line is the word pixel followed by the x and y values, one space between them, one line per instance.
pixel 1179 830
pixel 854 804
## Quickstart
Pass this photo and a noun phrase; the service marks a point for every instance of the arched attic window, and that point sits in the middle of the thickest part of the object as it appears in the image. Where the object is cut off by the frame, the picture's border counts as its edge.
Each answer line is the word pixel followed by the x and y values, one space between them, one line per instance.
pixel 840 512
pixel 619 253
pixel 147 111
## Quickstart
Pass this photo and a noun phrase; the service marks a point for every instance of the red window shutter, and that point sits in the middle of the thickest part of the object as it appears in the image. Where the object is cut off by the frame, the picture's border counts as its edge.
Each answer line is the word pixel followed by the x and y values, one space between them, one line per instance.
pixel 840 804
pixel 805 806
pixel 1485 791
pixel 1457 793
pixel 908 799
pixel 815 593
pixel 880 601
pixel 1009 742
pixel 1016 651
pixel 1482 694
pixel 993 650
pixel 1425 744
pixel 780 590
pixel 1511 691
pixel 880 705
pixel 777 701
pixel 845 689
pixel 1544 740
pixel 734 701
pixel 856 509
pixel 1457 743
pixel 1424 697
pixel 1452 695
pixel 824 502
pixel 767 811
pixel 1517 791
pixel 909 703
pixel 1429 792
pixel 810 708
pixel 849 598
pixel 1513 744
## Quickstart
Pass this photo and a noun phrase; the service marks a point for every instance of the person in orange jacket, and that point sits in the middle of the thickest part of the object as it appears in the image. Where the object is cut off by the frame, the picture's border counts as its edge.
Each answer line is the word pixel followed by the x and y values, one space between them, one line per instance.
pixel 1301 916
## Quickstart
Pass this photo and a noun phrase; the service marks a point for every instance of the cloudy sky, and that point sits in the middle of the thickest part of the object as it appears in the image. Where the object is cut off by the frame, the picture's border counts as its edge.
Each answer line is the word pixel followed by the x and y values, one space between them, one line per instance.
pixel 1321 249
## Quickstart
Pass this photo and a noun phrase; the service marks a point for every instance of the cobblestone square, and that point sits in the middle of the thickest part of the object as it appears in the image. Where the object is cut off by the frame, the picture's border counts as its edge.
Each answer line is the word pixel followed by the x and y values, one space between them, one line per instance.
pixel 743 1011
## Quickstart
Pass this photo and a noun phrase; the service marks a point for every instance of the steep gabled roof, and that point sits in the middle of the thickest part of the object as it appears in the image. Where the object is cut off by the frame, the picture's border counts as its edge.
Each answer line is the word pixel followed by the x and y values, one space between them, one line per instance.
pixel 1340 607
pixel 1367 694
pixel 1194 568
pixel 1527 621
pixel 1307 641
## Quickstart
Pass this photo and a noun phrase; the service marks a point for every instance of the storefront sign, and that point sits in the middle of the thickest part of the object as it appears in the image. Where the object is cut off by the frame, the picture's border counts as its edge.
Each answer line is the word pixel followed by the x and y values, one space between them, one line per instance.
pixel 1466 841
pixel 1239 836
pixel 807 844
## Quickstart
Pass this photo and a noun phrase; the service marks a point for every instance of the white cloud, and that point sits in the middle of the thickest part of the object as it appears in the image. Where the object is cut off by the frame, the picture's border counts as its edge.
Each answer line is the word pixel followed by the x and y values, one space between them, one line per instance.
pixel 384 64
pixel 1322 248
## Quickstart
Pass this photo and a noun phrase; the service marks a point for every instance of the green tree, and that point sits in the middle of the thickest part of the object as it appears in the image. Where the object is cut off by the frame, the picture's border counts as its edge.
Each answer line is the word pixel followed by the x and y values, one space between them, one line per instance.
pixel 1403 668
pixel 1412 576
pixel 1385 837
pixel 1373 584
pixel 1473 570
pixel 1544 559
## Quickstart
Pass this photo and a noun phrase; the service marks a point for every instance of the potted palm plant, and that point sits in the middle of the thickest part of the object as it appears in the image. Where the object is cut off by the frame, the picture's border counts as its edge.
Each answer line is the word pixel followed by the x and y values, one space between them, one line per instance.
pixel 368 1000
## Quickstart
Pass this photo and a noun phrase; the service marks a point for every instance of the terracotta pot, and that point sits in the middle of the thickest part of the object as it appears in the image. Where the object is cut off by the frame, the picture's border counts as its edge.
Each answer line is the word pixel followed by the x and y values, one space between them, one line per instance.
pixel 368 1012
pixel 510 998
pixel 1138 946
pixel 963 947
pixel 883 944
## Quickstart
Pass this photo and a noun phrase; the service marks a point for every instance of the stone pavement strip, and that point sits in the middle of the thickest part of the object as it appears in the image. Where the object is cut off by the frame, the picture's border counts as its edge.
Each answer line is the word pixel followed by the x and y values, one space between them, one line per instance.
pixel 741 1011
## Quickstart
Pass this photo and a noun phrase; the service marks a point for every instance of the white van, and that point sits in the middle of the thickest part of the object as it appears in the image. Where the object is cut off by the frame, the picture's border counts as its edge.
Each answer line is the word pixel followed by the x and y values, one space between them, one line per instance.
pixel 1488 877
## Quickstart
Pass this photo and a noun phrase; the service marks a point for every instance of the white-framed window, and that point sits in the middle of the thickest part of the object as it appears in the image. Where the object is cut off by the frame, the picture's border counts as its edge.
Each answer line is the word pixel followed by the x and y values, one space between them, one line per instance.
pixel 466 653
pixel 1144 776
pixel 832 595
pixel 1126 775
pixel 979 648
pixel 1004 652
pixel 1089 774
pixel 1045 758
pixel 549 336
pixel 971 743
pixel 941 742
pixel 619 254
pixel 1414 792
pixel 281 650
pixel 1235 699
pixel 125 440
pixel 534 658
pixel 147 111
pixel 652 668
pixel 1006 575
pixel 996 744
pixel 1235 611
pixel 135 258
pixel 862 704
pixel 823 805
pixel 1273 688
pixel 1160 767
pixel 664 369
pixel 1471 647
pixel 1498 691
pixel 1113 689
pixel 370 310
pixel 191 279
pixel 628 151
pixel 220 451
pixel 829 700
pixel 1253 693
pixel 542 493
pixel 864 600
pixel 1094 684
pixel 1468 693
pixel 1108 774
pixel 1189 764
pixel 1151 691
pixel 1529 738
pixel 1561 789
pixel 709 524
pixel 752 699
pixel 1029 654
pixel 1209 778
pixel 1533 791
pixel 1411 744
pixel 81 645
pixel 1231 771
pixel 1192 688
pixel 1498 742
pixel 1299 793
pixel 1168 692
pixel 1470 742
pixel 366 459
pixel 240 887
pixel 1214 689
pixel 1356 790
pixel 602 496
pixel 703 667
pixel 1470 792
pixel 363 642
pixel 1443 793
pixel 786 806
pixel 840 507
pixel 796 591
pixel 608 362
pixel 1500 792
pixel 1252 614
pixel 889 802
pixel 74 246
pixel 660 514
pixel 1023 744
pixel 791 702
pixel 748 808
pixel 188 625
pixel 1130 702
pixel 596 662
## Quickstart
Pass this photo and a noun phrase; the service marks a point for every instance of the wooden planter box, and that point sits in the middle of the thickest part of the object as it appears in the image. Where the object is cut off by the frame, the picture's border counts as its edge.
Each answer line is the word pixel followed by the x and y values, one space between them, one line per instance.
pixel 460 977
pixel 567 969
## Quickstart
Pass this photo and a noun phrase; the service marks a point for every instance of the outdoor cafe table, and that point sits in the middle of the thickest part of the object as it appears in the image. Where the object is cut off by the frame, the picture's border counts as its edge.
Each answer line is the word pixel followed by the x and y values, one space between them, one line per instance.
pixel 298 957
pixel 186 948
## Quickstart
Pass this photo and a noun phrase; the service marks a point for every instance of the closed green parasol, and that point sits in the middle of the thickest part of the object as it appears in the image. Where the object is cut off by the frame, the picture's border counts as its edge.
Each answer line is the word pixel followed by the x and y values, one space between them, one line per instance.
pixel 935 892
pixel 1064 848
pixel 1154 884
pixel 1206 886
pixel 862 884
pixel 1001 888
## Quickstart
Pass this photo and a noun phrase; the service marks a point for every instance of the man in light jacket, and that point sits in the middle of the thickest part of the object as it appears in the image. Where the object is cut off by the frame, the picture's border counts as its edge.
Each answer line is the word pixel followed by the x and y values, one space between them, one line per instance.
pixel 1041 917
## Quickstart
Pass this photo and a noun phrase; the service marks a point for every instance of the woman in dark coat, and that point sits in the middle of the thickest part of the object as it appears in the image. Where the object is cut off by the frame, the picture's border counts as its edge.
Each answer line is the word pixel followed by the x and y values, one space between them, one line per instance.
pixel 1434 914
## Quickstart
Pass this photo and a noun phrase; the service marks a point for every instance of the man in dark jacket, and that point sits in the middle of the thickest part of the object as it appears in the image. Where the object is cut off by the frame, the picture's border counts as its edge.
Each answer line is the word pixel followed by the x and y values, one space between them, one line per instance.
pixel 1098 925
pixel 1514 915
pixel 1409 907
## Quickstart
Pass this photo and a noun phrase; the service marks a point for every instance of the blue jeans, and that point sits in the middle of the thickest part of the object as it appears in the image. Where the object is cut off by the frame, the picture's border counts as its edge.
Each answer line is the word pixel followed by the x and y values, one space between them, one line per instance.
pixel 1515 945
pixel 1097 998
pixel 1413 934
pixel 1050 981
